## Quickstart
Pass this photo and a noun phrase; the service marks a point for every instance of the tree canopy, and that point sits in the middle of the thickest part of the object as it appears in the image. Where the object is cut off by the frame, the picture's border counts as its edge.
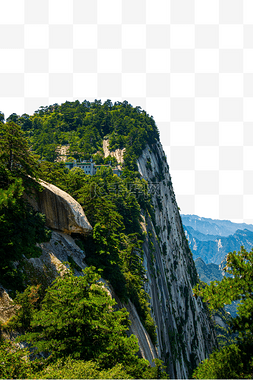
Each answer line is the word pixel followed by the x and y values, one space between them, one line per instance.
pixel 16 160
pixel 219 293
pixel 77 321
pixel 20 226
pixel 83 126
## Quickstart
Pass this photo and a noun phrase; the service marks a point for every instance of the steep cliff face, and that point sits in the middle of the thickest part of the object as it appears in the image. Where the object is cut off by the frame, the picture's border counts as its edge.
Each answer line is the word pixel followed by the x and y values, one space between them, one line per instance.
pixel 185 332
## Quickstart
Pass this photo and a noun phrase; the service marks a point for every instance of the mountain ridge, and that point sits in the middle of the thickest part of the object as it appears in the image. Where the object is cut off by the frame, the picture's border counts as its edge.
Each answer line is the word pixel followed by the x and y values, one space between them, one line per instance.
pixel 207 225
pixel 212 248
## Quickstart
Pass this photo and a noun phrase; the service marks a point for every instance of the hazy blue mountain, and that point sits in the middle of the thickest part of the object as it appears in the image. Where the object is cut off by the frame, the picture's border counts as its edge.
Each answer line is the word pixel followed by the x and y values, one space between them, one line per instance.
pixel 199 235
pixel 208 272
pixel 212 248
pixel 216 247
pixel 209 226
pixel 210 241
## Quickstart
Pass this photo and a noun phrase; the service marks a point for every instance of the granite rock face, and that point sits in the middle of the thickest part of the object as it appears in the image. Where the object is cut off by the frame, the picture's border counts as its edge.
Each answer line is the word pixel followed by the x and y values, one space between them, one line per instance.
pixel 118 153
pixel 185 332
pixel 7 308
pixel 63 213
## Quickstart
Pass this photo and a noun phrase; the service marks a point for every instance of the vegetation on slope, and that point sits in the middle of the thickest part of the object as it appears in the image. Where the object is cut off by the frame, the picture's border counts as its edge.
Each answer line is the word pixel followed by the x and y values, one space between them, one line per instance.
pixel 76 324
pixel 234 360
pixel 112 205
pixel 83 126
pixel 20 226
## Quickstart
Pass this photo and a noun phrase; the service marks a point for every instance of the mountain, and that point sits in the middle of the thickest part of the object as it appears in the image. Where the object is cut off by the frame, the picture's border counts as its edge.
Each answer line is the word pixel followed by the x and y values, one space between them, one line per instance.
pixel 208 272
pixel 137 238
pixel 210 241
pixel 213 248
pixel 215 227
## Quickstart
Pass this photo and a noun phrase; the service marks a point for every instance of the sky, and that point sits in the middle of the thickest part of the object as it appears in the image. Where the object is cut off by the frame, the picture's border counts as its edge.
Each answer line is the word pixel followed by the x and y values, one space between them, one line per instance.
pixel 188 63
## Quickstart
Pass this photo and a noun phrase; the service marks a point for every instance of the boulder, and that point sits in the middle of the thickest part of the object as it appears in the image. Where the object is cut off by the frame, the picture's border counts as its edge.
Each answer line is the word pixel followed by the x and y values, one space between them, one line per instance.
pixel 63 213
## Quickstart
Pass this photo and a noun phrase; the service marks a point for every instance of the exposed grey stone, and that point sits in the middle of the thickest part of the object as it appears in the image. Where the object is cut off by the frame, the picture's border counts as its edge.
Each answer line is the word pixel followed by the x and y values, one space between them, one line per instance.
pixel 63 213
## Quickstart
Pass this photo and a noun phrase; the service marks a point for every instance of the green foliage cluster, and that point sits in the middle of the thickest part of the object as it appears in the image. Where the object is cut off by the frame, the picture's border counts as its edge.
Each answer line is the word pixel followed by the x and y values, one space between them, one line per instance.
pixel 231 362
pixel 20 226
pixel 116 244
pixel 234 360
pixel 83 126
pixel 78 328
pixel 13 362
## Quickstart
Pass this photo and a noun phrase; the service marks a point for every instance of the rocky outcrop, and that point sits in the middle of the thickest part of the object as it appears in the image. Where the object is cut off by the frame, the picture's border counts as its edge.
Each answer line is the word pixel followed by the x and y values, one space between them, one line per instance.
pixel 117 153
pixel 62 153
pixel 185 332
pixel 7 308
pixel 63 213
pixel 55 253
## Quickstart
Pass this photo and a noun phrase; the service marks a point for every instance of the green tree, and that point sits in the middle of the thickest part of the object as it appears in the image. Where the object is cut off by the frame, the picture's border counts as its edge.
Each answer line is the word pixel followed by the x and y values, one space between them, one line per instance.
pixel 75 180
pixel 69 368
pixel 230 362
pixel 20 229
pixel 13 362
pixel 16 160
pixel 219 293
pixel 78 319
pixel 27 303
pixel 239 287
pixel 20 226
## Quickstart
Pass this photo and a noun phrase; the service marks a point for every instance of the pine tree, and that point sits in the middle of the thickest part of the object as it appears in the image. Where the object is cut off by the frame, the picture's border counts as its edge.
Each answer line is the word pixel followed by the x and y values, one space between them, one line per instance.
pixel 77 319
pixel 20 226
pixel 219 293
pixel 16 160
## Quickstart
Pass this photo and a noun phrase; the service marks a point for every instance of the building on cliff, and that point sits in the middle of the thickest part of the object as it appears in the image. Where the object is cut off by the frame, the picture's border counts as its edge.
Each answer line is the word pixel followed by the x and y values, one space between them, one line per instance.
pixel 90 167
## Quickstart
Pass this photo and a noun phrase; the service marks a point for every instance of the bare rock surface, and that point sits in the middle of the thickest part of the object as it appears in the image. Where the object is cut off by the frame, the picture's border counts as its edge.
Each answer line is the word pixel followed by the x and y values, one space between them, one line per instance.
pixel 63 213
pixel 54 255
pixel 62 151
pixel 7 308
pixel 147 349
pixel 117 153
pixel 185 331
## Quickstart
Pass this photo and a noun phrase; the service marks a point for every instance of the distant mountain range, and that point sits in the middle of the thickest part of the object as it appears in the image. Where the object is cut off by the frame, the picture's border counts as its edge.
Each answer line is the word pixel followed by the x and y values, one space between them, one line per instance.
pixel 209 226
pixel 212 240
